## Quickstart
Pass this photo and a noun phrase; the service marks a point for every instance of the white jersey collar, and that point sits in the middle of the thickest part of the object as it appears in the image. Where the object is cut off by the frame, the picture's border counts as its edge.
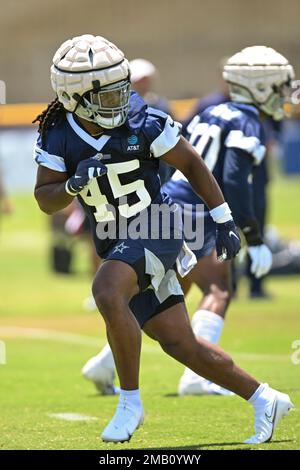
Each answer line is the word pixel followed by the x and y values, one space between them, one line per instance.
pixel 97 144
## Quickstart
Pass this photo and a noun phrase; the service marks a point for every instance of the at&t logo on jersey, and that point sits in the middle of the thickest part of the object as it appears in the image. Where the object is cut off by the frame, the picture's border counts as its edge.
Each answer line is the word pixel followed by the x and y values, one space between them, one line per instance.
pixel 132 144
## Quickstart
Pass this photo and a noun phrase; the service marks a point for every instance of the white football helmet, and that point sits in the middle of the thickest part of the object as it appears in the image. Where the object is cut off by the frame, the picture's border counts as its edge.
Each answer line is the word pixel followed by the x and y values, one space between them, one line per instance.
pixel 91 78
pixel 261 76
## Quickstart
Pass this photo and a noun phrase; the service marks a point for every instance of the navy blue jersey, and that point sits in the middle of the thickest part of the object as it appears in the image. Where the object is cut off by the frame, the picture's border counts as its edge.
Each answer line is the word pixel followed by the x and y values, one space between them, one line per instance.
pixel 131 154
pixel 213 99
pixel 231 140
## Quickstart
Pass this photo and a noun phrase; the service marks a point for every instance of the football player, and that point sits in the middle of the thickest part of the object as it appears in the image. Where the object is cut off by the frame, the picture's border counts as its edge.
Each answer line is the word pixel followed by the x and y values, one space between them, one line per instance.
pixel 230 137
pixel 100 142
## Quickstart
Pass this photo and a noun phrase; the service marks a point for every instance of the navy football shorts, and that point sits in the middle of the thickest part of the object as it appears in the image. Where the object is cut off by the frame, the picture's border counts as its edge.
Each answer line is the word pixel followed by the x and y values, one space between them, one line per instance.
pixel 154 263
pixel 146 305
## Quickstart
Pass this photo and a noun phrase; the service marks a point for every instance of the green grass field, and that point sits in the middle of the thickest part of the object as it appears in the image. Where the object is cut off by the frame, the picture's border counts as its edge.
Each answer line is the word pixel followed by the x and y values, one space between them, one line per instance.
pixel 49 337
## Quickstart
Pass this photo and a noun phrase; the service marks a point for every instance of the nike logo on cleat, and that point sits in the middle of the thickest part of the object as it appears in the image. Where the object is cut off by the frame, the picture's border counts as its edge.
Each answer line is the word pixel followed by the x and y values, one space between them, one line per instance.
pixel 270 417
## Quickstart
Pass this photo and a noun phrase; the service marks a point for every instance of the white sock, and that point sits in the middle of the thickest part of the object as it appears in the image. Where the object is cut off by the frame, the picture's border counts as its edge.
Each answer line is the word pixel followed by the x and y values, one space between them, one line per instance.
pixel 261 396
pixel 106 358
pixel 207 325
pixel 132 397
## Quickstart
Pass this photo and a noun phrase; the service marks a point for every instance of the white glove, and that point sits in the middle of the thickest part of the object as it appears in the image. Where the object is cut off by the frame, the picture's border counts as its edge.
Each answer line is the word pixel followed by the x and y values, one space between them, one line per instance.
pixel 261 260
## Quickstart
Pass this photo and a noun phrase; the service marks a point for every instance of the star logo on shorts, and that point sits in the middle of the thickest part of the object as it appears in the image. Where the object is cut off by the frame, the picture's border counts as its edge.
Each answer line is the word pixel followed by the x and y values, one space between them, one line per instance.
pixel 120 248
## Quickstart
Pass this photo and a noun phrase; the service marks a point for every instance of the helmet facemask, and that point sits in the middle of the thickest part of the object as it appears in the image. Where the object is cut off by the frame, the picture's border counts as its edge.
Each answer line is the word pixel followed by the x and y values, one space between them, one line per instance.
pixel 274 106
pixel 106 106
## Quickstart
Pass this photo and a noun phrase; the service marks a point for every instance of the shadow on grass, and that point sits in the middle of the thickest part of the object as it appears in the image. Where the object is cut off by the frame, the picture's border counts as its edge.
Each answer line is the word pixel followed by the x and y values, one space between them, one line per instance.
pixel 173 395
pixel 218 444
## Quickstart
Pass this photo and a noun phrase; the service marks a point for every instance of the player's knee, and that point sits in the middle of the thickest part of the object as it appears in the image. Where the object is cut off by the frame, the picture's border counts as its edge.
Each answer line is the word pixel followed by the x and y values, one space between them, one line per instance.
pixel 177 348
pixel 106 297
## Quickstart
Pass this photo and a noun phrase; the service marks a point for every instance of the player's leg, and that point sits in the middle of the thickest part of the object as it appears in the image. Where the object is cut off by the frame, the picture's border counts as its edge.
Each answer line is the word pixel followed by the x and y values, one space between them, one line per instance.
pixel 130 267
pixel 100 369
pixel 172 329
pixel 114 285
pixel 204 358
pixel 214 280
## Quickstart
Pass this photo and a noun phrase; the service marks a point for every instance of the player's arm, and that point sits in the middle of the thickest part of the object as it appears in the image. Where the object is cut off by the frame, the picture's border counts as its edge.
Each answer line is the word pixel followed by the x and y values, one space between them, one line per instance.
pixel 237 185
pixel 237 179
pixel 185 158
pixel 55 191
pixel 50 190
pixel 238 190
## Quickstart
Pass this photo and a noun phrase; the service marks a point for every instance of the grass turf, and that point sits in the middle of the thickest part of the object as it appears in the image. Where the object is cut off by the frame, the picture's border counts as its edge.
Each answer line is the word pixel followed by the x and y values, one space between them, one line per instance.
pixel 42 374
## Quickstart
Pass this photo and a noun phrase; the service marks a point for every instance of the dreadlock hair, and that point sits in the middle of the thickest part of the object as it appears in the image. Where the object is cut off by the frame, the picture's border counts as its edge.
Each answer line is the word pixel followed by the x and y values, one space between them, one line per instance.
pixel 54 112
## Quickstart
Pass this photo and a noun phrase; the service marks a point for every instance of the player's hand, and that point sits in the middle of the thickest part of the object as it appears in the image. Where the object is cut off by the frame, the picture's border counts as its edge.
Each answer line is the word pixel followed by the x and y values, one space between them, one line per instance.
pixel 228 242
pixel 85 172
pixel 261 259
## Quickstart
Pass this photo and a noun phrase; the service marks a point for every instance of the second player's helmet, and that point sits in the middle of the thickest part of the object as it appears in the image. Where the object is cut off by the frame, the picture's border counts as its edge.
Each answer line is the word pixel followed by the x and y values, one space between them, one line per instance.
pixel 261 76
pixel 91 78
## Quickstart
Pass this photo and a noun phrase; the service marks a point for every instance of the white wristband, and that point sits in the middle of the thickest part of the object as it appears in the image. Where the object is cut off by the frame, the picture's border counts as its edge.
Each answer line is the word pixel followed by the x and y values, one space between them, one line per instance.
pixel 221 214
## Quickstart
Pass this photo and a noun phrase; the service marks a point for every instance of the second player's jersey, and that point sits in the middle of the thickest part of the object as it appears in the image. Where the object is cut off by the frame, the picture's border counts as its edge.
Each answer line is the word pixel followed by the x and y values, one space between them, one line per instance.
pixel 214 131
pixel 130 153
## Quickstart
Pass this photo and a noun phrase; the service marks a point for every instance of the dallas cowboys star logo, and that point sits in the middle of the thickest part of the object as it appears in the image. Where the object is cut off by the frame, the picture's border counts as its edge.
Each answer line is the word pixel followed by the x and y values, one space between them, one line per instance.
pixel 120 248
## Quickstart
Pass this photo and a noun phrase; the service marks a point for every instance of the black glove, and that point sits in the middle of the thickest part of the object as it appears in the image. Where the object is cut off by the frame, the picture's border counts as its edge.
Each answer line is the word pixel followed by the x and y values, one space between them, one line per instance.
pixel 85 172
pixel 228 242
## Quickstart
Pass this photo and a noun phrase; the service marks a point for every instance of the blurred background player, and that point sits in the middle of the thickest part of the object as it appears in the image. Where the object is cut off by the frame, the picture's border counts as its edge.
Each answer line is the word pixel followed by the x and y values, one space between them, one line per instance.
pixel 231 139
pixel 260 175
pixel 68 227
pixel 62 243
